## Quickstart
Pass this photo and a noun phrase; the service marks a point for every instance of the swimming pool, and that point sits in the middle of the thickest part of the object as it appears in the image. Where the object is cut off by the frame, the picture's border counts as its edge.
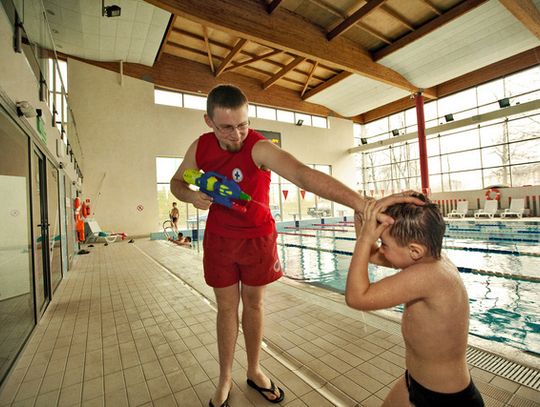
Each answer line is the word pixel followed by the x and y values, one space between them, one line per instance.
pixel 502 278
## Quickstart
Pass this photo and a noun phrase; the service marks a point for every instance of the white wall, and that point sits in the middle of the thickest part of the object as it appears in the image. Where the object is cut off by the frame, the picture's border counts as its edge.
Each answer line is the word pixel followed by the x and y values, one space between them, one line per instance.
pixel 122 131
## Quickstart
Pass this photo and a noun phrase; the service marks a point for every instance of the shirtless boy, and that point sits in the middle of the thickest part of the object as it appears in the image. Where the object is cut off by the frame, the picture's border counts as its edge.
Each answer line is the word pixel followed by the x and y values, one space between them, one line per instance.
pixel 435 322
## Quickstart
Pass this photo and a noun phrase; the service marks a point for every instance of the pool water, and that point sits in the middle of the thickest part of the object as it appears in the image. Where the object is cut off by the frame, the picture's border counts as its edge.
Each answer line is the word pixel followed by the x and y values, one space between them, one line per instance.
pixel 502 308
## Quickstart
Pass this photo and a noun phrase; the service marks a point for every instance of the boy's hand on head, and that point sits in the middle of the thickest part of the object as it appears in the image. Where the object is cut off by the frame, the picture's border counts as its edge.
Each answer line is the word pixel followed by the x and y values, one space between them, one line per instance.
pixel 366 224
pixel 403 197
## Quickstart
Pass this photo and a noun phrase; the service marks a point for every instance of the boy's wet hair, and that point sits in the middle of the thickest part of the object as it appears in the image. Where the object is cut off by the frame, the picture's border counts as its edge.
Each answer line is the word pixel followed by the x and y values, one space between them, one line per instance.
pixel 422 224
pixel 225 96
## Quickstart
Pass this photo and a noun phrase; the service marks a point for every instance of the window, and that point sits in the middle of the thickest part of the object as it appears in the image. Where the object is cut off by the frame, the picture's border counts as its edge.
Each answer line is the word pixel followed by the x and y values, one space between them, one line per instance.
pixel 194 102
pixel 163 97
pixel 285 116
pixel 306 119
pixel 266 113
pixel 57 83
pixel 501 151
pixel 319 122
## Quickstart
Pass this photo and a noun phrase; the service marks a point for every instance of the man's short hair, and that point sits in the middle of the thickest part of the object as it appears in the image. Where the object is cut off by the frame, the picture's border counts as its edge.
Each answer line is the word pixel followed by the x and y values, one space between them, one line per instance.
pixel 225 96
pixel 422 224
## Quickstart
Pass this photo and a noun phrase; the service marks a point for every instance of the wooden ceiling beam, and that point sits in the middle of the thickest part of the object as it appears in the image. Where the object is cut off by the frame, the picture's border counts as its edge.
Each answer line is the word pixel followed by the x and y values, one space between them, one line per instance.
pixel 254 59
pixel 507 66
pixel 343 15
pixel 325 85
pixel 200 52
pixel 309 77
pixel 227 47
pixel 354 18
pixel 526 12
pixel 429 27
pixel 286 31
pixel 228 59
pixel 287 68
pixel 208 52
pixel 244 64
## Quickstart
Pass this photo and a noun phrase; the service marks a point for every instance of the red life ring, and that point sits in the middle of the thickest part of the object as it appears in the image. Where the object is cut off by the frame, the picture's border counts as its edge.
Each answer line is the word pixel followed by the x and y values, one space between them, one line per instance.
pixel 497 194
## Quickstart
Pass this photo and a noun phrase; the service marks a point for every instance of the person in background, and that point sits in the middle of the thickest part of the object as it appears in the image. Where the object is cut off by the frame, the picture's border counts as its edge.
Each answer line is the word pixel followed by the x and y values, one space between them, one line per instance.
pixel 173 216
pixel 240 251
pixel 435 322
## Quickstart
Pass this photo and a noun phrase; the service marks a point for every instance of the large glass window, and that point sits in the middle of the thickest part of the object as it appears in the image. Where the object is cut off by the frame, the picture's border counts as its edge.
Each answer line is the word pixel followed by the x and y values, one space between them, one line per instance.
pixel 501 151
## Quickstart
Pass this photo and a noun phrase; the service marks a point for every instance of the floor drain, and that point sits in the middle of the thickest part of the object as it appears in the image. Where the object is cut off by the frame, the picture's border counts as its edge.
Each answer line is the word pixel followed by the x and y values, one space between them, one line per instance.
pixel 521 374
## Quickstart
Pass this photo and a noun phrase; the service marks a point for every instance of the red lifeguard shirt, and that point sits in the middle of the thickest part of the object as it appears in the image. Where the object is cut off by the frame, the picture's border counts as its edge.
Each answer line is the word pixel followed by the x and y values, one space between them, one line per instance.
pixel 239 166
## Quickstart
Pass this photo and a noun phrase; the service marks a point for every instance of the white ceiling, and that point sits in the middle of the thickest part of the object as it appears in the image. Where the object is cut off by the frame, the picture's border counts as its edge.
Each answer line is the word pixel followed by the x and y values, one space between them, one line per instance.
pixel 79 29
pixel 483 36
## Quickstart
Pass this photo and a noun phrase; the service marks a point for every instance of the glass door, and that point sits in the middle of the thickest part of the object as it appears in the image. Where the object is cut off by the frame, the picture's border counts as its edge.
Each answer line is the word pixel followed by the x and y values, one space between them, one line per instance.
pixel 40 229
pixel 53 217
pixel 17 317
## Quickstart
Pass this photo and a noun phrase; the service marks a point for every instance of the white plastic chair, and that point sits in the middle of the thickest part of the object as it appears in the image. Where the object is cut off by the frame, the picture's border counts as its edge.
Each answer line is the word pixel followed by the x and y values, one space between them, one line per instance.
pixel 490 209
pixel 460 211
pixel 93 232
pixel 517 207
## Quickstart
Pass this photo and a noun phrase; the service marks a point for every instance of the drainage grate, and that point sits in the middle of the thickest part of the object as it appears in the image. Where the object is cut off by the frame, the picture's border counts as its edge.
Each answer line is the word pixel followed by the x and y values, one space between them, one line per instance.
pixel 524 375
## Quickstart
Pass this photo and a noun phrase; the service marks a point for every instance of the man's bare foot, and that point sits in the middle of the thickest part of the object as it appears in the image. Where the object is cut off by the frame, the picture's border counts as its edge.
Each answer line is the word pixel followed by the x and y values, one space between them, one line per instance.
pixel 221 395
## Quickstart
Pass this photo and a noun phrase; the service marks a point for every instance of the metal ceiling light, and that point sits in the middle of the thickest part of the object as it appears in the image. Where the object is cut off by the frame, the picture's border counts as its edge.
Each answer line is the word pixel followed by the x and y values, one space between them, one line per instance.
pixel 110 11
pixel 363 140
pixel 505 102
pixel 449 117
pixel 395 132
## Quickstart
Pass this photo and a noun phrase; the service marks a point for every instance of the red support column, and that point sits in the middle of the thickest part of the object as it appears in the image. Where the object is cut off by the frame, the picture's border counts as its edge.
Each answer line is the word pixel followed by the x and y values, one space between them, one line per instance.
pixel 424 172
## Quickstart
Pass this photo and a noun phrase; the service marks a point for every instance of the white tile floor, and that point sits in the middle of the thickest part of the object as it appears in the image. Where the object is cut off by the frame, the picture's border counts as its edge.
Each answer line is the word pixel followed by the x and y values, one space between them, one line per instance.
pixel 123 330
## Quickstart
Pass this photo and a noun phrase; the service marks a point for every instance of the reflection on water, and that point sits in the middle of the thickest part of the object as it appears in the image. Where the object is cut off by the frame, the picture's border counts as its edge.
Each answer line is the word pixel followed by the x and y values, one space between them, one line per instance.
pixel 502 309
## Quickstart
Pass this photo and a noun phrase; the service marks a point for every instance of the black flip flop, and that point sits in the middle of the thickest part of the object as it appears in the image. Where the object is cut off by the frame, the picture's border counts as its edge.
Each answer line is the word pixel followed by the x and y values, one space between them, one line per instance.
pixel 271 390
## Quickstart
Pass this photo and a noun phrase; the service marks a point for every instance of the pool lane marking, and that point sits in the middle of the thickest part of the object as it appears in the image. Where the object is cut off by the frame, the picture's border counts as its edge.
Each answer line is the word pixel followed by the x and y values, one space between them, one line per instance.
pixel 461 269
pixel 470 249
pixel 326 230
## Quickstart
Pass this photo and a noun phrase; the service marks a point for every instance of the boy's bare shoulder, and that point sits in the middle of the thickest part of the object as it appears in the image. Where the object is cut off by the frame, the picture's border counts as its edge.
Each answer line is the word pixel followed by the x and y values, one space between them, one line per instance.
pixel 433 273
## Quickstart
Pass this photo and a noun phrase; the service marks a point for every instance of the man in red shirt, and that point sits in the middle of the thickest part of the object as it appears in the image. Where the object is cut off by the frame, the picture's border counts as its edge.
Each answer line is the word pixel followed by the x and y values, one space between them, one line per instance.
pixel 240 251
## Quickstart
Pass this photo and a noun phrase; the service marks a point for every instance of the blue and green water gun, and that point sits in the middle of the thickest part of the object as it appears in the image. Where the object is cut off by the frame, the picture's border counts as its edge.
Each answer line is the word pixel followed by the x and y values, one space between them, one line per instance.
pixel 223 190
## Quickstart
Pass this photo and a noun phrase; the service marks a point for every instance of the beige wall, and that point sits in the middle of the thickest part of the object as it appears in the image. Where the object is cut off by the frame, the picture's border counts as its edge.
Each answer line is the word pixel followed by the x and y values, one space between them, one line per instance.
pixel 122 131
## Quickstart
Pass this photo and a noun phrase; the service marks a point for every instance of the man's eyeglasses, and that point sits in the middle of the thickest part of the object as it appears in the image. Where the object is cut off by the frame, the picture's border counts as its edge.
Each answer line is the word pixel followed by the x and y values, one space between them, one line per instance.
pixel 228 129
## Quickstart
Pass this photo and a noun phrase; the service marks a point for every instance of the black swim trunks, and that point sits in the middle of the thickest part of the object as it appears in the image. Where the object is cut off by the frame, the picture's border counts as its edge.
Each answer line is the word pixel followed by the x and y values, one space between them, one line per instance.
pixel 422 397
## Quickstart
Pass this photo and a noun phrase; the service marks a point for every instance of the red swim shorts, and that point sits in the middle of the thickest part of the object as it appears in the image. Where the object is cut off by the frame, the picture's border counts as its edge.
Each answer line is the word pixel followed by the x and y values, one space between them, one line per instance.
pixel 253 261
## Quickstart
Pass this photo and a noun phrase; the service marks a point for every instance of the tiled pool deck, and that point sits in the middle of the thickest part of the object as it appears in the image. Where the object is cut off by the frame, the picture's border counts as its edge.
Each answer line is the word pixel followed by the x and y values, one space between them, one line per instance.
pixel 133 324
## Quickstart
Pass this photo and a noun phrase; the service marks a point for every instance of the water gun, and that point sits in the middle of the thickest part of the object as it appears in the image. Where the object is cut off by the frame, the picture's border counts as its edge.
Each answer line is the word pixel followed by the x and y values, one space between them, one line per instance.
pixel 222 189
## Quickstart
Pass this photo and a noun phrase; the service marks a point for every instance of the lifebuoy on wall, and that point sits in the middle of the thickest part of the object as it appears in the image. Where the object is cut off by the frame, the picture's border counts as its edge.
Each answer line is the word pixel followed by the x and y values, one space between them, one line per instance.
pixel 86 208
pixel 491 191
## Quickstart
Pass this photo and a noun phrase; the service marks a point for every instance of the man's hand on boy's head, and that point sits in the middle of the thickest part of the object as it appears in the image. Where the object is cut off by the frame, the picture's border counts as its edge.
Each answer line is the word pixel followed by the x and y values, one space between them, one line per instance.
pixel 402 197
